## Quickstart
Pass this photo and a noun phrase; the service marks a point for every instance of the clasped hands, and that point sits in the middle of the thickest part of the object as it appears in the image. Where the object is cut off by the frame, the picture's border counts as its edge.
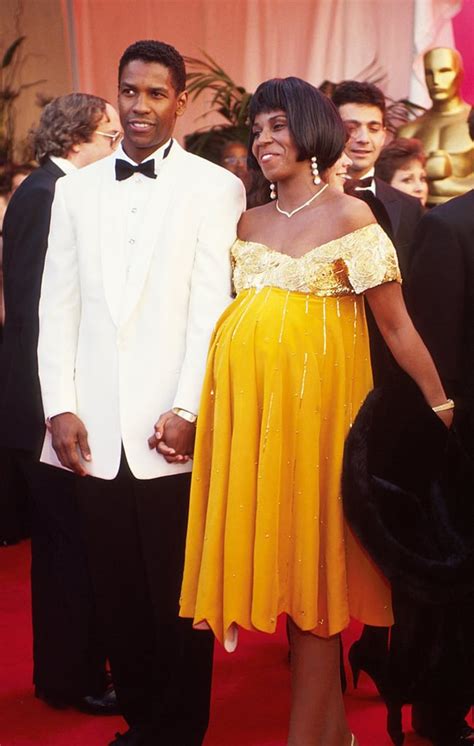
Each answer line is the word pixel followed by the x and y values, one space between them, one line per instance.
pixel 173 439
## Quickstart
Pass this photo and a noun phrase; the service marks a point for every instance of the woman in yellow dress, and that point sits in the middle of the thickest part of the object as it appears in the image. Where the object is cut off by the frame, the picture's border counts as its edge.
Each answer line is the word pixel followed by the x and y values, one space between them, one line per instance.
pixel 288 369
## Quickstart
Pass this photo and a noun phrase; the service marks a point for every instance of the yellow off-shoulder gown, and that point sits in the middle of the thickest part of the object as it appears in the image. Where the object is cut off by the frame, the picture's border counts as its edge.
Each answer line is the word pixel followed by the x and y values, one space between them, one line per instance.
pixel 288 369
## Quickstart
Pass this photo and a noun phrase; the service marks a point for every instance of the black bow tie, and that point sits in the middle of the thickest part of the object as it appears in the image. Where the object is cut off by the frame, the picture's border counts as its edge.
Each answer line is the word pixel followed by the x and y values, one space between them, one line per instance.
pixel 360 183
pixel 125 169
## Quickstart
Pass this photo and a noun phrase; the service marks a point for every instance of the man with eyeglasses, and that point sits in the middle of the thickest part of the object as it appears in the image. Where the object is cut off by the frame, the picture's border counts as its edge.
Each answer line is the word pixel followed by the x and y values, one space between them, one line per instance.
pixel 114 137
pixel 233 157
pixel 69 656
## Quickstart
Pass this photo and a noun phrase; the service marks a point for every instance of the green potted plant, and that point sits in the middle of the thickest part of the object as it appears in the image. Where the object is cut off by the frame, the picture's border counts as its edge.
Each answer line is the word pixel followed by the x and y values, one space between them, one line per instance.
pixel 9 91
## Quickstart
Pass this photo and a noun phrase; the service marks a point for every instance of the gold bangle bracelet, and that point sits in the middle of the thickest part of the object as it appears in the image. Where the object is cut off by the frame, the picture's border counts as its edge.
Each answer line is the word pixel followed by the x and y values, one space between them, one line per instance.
pixel 448 404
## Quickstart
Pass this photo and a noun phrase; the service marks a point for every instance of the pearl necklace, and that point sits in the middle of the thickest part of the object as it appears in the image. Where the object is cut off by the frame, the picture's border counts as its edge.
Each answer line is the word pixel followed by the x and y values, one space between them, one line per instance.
pixel 297 209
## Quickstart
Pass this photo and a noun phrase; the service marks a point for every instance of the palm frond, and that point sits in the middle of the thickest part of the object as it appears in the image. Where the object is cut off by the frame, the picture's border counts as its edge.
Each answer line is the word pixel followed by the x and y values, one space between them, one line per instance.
pixel 228 99
pixel 11 51
pixel 232 101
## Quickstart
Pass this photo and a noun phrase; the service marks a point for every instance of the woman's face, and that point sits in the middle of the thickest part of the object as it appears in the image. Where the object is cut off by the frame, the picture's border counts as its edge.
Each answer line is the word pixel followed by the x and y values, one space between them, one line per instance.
pixel 412 180
pixel 273 146
pixel 337 174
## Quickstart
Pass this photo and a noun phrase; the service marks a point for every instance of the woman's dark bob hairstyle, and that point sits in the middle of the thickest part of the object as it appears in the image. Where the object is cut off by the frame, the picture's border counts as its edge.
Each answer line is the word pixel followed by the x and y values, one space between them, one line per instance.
pixel 313 120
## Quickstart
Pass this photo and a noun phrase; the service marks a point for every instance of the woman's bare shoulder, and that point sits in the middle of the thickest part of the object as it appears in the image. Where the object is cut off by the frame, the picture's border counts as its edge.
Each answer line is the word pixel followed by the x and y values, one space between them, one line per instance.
pixel 352 213
pixel 251 221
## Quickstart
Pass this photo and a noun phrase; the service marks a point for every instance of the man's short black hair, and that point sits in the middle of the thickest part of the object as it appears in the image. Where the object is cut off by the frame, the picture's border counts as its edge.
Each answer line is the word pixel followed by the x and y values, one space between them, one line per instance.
pixel 313 120
pixel 353 92
pixel 150 50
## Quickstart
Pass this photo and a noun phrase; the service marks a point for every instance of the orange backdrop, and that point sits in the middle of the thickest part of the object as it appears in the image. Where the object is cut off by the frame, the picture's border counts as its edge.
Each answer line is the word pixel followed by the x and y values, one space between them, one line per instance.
pixel 252 39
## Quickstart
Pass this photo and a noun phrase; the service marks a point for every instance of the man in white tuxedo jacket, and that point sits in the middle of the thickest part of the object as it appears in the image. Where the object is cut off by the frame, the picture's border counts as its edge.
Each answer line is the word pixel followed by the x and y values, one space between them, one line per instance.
pixel 136 275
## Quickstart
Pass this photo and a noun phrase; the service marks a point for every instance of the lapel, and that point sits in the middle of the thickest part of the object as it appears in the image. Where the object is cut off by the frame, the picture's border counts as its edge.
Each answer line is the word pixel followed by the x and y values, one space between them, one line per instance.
pixel 388 196
pixel 111 216
pixel 123 288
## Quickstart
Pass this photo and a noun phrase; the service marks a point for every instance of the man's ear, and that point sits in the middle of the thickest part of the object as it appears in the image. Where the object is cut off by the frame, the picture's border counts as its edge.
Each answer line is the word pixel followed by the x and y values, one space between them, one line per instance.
pixel 182 103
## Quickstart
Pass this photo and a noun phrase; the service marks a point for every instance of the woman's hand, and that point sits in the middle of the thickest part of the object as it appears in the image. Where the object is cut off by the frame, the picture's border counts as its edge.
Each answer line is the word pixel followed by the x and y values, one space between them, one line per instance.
pixel 446 417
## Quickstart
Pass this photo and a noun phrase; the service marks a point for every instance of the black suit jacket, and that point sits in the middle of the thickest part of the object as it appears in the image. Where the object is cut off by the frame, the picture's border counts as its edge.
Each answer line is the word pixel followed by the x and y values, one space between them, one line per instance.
pixel 25 240
pixel 398 214
pixel 405 213
pixel 441 299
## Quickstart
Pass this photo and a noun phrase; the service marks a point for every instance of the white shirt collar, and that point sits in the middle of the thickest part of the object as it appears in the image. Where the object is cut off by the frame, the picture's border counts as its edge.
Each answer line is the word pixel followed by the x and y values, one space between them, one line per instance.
pixel 63 164
pixel 369 175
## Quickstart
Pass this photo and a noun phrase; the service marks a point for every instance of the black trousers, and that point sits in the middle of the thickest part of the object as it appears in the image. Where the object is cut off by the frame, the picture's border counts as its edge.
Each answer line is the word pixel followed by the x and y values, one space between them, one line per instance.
pixel 14 500
pixel 161 667
pixel 68 649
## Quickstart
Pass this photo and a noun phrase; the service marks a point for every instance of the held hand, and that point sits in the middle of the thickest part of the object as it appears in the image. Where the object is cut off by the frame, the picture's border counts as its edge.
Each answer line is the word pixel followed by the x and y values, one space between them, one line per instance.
pixel 173 438
pixel 69 437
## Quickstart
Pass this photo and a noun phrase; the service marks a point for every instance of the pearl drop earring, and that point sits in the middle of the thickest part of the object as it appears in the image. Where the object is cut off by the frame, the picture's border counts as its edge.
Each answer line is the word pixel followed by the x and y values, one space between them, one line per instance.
pixel 314 170
pixel 273 193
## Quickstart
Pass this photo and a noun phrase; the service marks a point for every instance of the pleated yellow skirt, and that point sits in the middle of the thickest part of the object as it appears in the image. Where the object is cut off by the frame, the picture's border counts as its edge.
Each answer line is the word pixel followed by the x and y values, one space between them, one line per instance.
pixel 287 373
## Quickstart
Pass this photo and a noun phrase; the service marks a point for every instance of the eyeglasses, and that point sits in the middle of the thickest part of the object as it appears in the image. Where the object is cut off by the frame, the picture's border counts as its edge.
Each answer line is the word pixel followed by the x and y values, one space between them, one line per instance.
pixel 233 160
pixel 114 137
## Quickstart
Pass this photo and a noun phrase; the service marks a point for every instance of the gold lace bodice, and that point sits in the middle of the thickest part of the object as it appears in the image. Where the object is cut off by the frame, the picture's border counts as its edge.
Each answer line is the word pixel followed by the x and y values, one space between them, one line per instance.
pixel 347 265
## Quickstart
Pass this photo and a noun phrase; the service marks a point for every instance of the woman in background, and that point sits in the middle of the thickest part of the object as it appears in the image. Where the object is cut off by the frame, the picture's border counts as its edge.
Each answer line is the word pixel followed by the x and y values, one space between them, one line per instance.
pixel 402 165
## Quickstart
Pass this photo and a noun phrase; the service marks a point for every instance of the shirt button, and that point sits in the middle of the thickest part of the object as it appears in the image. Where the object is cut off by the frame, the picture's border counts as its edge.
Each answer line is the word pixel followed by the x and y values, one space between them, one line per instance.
pixel 132 240
pixel 134 209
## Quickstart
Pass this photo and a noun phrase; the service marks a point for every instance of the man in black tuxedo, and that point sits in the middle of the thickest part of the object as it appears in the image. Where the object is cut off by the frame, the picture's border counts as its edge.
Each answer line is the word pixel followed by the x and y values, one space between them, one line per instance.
pixel 441 292
pixel 362 108
pixel 69 659
pixel 441 302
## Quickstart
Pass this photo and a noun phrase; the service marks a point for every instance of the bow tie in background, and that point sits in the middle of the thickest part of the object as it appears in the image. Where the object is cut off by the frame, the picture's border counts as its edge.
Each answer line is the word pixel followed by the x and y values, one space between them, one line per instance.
pixel 125 169
pixel 360 183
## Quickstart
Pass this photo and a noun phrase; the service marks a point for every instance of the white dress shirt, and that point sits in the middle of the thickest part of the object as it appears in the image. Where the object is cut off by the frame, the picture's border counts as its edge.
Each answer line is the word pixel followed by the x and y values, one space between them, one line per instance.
pixel 136 192
pixel 369 175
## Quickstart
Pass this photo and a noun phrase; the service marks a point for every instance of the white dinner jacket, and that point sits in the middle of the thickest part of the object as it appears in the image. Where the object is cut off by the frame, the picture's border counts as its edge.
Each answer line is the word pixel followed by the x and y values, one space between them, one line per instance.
pixel 118 347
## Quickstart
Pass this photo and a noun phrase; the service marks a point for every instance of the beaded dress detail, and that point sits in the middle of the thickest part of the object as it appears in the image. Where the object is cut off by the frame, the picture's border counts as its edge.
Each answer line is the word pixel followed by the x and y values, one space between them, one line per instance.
pixel 287 372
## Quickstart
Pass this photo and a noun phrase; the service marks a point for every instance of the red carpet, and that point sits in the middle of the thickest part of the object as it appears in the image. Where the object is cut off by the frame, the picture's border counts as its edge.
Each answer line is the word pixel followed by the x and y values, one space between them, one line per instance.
pixel 251 686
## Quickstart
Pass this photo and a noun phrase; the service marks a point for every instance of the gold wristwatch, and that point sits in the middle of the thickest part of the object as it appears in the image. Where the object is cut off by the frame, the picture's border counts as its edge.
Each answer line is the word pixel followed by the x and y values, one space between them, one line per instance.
pixel 184 414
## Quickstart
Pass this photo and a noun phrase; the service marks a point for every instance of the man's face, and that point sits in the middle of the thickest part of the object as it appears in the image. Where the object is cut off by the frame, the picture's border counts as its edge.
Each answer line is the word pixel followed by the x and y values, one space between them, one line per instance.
pixel 234 159
pixel 442 73
pixel 148 106
pixel 366 136
pixel 103 141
